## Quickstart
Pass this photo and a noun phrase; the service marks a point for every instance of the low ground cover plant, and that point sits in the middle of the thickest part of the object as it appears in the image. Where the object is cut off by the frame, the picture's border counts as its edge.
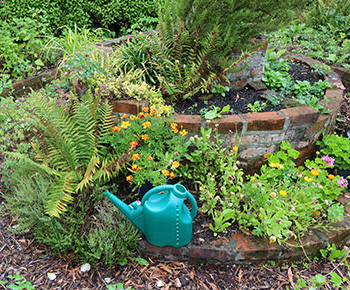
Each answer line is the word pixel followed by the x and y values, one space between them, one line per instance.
pixel 277 78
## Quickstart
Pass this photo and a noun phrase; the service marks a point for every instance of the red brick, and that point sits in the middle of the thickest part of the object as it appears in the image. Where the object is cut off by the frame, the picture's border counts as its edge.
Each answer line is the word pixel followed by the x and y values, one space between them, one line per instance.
pixel 129 106
pixel 307 151
pixel 311 246
pixel 301 115
pixel 256 151
pixel 257 71
pixel 162 251
pixel 239 83
pixel 206 252
pixel 340 235
pixel 191 123
pixel 227 123
pixel 264 121
pixel 317 127
pixel 251 248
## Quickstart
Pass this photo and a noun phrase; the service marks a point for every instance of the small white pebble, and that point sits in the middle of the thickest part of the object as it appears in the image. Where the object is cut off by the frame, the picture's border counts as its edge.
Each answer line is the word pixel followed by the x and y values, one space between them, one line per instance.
pixel 51 276
pixel 85 268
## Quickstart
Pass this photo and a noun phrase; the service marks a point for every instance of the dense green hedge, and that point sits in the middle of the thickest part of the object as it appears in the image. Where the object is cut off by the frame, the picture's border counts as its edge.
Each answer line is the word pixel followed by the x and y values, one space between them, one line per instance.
pixel 112 14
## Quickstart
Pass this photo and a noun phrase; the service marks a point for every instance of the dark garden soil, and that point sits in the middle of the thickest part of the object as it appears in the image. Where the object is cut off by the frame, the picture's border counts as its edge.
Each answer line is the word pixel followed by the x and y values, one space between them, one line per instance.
pixel 239 99
pixel 20 252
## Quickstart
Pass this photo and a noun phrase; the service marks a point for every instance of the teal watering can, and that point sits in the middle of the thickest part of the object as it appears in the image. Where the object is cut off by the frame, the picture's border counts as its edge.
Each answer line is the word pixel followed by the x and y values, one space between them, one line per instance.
pixel 162 216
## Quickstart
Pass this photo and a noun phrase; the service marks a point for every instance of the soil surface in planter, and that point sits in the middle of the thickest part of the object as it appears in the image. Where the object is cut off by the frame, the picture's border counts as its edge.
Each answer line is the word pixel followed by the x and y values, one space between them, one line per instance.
pixel 239 99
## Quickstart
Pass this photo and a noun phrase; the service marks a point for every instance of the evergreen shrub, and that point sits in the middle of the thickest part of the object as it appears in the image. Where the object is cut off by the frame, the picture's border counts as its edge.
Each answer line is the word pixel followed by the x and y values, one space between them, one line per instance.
pixel 115 14
pixel 94 232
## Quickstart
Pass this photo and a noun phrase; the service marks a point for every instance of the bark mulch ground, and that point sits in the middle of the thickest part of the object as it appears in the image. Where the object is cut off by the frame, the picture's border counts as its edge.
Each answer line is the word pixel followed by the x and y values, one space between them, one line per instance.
pixel 20 253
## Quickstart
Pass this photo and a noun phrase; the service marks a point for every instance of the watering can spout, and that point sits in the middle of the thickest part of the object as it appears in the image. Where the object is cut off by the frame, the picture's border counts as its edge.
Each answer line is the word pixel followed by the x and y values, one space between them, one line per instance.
pixel 133 212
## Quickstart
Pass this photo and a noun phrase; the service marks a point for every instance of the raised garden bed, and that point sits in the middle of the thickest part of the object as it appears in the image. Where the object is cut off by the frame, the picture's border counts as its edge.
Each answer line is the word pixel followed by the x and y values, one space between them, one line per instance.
pixel 262 133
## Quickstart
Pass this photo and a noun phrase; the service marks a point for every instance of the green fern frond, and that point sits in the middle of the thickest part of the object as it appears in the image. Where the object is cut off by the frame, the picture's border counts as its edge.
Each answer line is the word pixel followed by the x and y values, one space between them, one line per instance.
pixel 84 138
pixel 60 195
pixel 40 166
pixel 89 173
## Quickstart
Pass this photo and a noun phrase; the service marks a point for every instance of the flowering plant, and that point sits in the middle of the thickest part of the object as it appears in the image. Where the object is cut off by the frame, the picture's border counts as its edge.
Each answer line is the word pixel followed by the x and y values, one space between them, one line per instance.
pixel 152 145
pixel 336 148
pixel 216 170
pixel 285 200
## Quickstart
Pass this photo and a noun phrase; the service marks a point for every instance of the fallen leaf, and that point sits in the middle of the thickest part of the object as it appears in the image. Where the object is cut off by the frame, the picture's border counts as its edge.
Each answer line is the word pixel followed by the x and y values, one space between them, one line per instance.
pixel 240 274
pixel 290 277
pixel 213 286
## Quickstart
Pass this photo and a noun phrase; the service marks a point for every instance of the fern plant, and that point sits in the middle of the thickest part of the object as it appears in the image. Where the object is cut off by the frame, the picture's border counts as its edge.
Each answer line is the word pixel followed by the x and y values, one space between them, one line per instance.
pixel 182 63
pixel 71 147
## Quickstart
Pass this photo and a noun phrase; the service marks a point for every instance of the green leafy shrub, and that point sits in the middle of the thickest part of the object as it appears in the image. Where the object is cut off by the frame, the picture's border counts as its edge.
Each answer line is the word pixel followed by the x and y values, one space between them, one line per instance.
pixel 124 14
pixel 116 15
pixel 108 237
pixel 69 149
pixel 16 132
pixel 285 200
pixel 338 148
pixel 21 44
pixel 323 45
pixel 331 16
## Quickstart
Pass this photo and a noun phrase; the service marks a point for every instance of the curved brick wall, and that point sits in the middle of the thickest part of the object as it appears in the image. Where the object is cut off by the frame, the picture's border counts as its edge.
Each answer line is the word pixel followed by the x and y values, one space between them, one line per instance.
pixel 263 133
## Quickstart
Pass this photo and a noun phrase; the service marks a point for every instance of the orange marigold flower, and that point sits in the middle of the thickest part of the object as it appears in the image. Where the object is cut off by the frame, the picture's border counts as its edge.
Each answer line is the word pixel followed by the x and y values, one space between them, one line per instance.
pixel 132 117
pixel 129 178
pixel 183 132
pixel 116 129
pixel 144 137
pixel 272 239
pixel 134 167
pixel 145 109
pixel 165 172
pixel 272 194
pixel 149 158
pixel 234 148
pixel 125 116
pixel 125 125
pixel 331 176
pixel 282 193
pixel 315 172
pixel 135 156
pixel 171 175
pixel 133 144
pixel 176 164
pixel 175 130
pixel 173 125
pixel 141 115
pixel 146 125
pixel 153 112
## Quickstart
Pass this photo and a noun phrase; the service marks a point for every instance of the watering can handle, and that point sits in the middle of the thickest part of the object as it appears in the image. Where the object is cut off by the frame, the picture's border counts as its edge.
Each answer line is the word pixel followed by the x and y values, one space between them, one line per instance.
pixel 193 205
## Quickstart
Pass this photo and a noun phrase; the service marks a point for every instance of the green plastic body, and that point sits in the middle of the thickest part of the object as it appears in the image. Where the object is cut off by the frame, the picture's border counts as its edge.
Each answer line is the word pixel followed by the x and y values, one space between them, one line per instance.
pixel 162 216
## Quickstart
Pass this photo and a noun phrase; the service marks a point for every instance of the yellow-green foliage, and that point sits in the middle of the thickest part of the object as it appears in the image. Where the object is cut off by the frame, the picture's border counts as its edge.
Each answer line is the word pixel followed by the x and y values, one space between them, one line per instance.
pixel 71 146
pixel 129 86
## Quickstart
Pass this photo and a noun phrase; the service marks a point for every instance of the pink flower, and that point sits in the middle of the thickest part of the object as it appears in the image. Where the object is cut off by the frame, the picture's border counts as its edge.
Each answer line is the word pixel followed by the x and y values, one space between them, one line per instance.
pixel 329 160
pixel 342 182
pixel 2 2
